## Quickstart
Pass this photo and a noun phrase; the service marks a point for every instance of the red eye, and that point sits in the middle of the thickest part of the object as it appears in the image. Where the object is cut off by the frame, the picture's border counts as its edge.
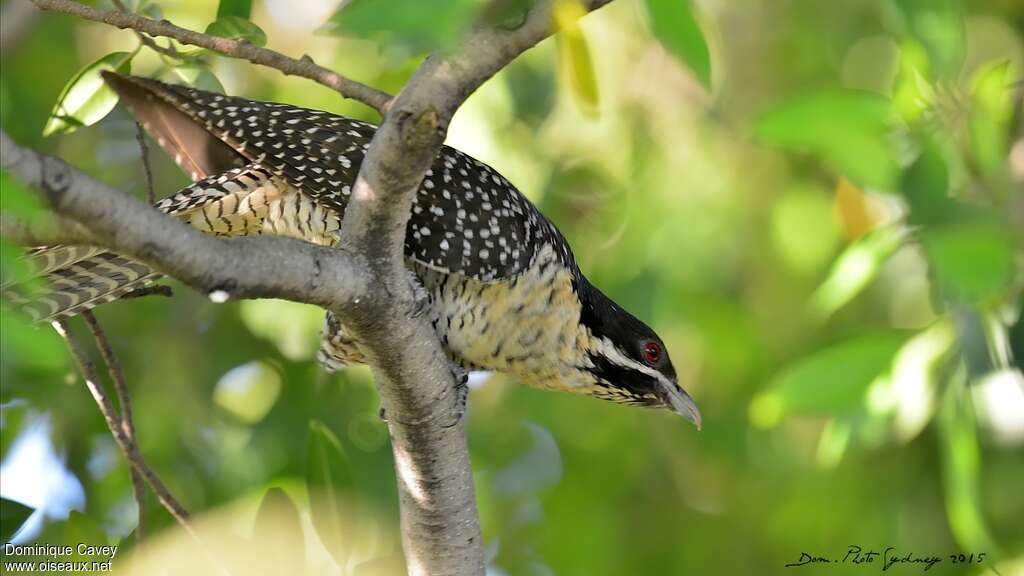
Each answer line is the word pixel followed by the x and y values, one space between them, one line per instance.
pixel 652 352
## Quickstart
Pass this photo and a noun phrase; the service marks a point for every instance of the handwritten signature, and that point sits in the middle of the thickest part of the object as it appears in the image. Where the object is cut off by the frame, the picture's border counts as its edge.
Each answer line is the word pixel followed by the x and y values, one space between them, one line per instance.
pixel 887 558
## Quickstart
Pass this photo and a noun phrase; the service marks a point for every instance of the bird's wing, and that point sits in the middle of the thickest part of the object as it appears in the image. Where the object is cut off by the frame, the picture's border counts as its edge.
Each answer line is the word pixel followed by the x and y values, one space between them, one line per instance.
pixel 466 219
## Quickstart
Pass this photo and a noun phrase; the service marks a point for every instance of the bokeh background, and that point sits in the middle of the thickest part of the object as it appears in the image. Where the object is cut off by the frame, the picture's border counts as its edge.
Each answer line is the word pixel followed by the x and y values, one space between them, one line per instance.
pixel 824 220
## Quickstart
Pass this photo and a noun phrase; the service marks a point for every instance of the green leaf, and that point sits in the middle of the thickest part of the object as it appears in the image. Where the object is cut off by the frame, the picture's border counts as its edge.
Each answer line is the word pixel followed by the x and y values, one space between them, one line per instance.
pixel 411 24
pixel 200 76
pixel 673 24
pixel 939 27
pixel 925 185
pixel 991 111
pixel 832 381
pixel 35 347
pixel 16 199
pixel 328 477
pixel 239 8
pixel 853 270
pixel 12 517
pixel 972 261
pixel 961 467
pixel 506 14
pixel 574 55
pixel 87 99
pixel 239 28
pixel 81 529
pixel 847 128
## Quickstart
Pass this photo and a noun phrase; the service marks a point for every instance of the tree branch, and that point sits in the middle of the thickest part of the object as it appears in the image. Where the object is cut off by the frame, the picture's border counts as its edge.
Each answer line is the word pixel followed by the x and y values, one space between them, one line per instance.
pixel 248 267
pixel 440 527
pixel 304 67
pixel 44 232
pixel 147 169
pixel 125 401
pixel 126 444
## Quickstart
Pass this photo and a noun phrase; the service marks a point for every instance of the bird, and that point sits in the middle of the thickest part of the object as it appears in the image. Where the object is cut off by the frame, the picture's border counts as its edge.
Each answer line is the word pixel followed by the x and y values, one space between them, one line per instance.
pixel 499 282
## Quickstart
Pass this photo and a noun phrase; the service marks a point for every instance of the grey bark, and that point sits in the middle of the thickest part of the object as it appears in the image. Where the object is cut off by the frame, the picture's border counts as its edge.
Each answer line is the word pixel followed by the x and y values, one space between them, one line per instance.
pixel 440 526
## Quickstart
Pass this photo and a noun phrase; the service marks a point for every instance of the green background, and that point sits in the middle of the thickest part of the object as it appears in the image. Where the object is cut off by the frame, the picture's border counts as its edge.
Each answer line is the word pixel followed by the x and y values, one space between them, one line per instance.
pixel 824 223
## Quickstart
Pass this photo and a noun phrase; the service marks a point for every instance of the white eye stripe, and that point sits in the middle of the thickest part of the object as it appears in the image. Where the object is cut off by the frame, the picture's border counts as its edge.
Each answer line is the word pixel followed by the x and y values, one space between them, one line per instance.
pixel 610 351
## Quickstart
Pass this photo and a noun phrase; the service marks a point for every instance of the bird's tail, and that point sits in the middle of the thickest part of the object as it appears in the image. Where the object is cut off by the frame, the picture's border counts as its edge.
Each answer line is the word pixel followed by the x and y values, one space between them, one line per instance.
pixel 71 279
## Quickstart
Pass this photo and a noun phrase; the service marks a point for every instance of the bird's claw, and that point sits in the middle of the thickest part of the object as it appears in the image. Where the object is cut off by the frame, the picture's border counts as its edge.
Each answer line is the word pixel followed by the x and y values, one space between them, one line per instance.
pixel 420 297
pixel 461 378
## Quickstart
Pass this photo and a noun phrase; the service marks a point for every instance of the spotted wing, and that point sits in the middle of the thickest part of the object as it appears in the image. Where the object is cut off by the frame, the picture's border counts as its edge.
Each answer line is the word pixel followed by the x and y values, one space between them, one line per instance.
pixel 466 218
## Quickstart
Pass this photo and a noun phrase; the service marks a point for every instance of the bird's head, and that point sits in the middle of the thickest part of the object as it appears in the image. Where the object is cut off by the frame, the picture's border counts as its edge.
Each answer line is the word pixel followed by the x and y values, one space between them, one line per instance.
pixel 628 361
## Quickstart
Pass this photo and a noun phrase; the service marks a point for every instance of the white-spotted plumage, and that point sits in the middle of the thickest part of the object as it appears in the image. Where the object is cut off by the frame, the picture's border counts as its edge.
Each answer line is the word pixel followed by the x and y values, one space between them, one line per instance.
pixel 499 281
pixel 467 218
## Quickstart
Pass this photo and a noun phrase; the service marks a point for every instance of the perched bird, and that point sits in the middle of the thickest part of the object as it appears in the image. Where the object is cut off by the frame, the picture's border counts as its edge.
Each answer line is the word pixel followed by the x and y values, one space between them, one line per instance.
pixel 502 287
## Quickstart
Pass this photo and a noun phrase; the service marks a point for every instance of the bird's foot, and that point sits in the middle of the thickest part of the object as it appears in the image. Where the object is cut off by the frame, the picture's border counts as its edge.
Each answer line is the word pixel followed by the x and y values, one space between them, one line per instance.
pixel 461 377
pixel 420 297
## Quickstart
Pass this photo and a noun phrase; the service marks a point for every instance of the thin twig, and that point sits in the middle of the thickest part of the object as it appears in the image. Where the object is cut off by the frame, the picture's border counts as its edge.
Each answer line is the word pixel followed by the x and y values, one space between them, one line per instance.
pixel 128 447
pixel 125 400
pixel 140 137
pixel 146 40
pixel 304 67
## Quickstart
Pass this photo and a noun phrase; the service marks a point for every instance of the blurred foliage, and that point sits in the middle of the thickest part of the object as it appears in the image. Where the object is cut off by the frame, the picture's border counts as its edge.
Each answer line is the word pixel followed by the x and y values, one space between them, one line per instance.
pixel 829 237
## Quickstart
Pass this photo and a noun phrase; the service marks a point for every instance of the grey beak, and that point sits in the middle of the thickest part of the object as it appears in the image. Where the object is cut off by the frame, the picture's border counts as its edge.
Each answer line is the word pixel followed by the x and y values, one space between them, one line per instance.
pixel 673 395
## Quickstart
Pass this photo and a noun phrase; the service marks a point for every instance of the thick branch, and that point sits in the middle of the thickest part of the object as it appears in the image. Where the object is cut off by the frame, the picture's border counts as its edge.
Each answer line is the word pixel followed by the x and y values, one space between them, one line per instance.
pixel 441 533
pixel 440 528
pixel 304 67
pixel 252 267
pixel 42 232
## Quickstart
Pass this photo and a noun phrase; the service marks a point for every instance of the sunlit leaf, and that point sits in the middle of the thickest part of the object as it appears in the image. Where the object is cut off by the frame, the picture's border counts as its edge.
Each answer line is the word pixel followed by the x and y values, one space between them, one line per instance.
pixel 239 28
pixel 913 93
pixel 574 55
pixel 973 261
pixel 939 26
pixel 87 99
pixel 412 24
pixel 199 76
pixel 853 270
pixel 328 478
pixel 239 8
pixel 907 398
pixel 832 381
pixel 248 391
pixel 278 515
pixel 293 327
pixel 846 128
pixel 12 517
pixel 990 119
pixel 673 24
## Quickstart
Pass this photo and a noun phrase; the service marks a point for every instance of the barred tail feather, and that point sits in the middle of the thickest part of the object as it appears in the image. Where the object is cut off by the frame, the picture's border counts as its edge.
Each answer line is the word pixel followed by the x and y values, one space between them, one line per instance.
pixel 83 285
pixel 79 278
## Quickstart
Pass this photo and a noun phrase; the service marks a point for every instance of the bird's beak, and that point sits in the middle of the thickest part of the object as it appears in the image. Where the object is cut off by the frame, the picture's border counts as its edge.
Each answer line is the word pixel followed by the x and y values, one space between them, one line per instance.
pixel 674 395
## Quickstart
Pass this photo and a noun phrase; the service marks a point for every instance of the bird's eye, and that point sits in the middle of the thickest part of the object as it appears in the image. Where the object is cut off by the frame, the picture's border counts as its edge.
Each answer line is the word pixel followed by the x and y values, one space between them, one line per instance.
pixel 652 352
